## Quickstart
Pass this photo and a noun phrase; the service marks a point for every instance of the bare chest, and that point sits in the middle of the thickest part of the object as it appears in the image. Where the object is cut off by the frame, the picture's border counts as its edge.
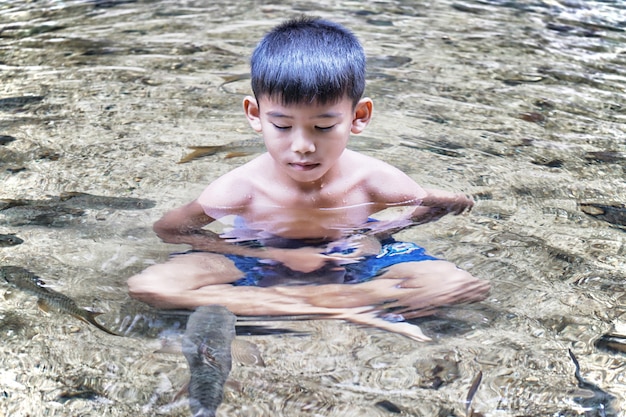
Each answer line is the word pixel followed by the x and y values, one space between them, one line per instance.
pixel 325 215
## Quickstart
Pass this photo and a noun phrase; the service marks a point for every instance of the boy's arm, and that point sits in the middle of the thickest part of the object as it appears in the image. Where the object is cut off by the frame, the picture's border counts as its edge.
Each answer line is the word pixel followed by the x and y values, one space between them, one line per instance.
pixel 431 207
pixel 185 225
pixel 437 203
pixel 423 205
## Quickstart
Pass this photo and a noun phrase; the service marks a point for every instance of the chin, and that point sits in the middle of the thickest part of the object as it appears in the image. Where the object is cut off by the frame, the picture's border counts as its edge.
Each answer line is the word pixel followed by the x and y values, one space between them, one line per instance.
pixel 306 177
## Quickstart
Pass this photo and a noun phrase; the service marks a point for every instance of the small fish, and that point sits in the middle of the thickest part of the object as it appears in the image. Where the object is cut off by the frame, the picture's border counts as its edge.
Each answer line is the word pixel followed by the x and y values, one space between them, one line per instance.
pixel 52 215
pixel 597 403
pixel 4 139
pixel 533 116
pixel 17 103
pixel 207 348
pixel 615 157
pixel 388 406
pixel 232 149
pixel 614 214
pixel 446 151
pixel 7 203
pixel 234 78
pixel 10 239
pixel 48 299
pixel 84 200
pixel 387 61
pixel 517 79
pixel 613 342
pixel 469 411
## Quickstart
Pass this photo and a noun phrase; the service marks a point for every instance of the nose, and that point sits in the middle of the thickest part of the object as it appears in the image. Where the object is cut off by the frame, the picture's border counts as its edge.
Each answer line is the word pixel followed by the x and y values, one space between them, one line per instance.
pixel 302 144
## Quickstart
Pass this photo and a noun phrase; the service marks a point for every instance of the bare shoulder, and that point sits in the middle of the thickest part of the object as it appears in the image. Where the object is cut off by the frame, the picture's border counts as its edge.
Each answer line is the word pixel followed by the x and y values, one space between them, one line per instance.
pixel 384 182
pixel 233 190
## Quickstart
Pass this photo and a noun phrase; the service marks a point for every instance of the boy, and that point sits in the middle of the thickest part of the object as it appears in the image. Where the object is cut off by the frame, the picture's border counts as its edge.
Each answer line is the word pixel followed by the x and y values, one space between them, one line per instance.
pixel 308 202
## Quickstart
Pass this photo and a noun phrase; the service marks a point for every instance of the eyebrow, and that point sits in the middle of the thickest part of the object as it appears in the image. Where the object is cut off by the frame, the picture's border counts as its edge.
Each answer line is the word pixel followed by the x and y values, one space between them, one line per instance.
pixel 329 115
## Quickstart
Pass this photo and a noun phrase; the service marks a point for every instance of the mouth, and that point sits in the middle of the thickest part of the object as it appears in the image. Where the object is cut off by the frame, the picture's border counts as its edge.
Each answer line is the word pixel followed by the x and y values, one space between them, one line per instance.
pixel 303 166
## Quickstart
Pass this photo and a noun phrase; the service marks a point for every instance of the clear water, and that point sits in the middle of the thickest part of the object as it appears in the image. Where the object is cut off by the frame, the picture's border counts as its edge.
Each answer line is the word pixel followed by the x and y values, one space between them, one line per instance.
pixel 521 104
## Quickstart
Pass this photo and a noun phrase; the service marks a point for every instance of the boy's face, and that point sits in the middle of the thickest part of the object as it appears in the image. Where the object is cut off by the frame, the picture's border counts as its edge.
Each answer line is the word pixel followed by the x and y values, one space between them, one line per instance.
pixel 306 140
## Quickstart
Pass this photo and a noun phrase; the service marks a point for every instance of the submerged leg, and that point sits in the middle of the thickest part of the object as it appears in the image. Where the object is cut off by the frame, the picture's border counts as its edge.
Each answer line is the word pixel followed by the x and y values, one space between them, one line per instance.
pixel 416 288
pixel 427 285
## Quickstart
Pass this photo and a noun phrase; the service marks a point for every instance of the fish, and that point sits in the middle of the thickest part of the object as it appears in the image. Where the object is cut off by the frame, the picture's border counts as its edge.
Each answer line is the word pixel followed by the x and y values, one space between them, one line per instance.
pixel 85 200
pixel 10 239
pixel 18 102
pixel 388 406
pixel 233 78
pixel 7 203
pixel 446 150
pixel 597 403
pixel 4 139
pixel 58 211
pixel 469 411
pixel 613 342
pixel 388 61
pixel 611 213
pixel 48 299
pixel 232 149
pixel 206 346
pixel 615 157
pixel 54 215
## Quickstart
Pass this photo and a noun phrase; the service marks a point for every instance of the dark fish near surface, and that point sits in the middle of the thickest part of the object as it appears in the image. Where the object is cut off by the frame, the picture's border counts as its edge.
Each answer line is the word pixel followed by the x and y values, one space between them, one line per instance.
pixel 17 214
pixel 206 346
pixel 597 403
pixel 613 342
pixel 388 406
pixel 4 139
pixel 85 200
pixel 606 156
pixel 612 213
pixel 69 199
pixel 64 209
pixel 10 239
pixel 13 103
pixel 28 282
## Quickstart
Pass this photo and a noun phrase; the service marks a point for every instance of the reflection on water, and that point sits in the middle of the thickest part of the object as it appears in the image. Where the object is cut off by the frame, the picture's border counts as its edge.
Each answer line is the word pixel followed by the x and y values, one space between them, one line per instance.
pixel 519 103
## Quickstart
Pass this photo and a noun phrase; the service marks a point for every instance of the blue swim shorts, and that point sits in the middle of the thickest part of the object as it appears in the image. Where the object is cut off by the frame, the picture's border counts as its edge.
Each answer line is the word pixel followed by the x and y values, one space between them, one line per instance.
pixel 263 273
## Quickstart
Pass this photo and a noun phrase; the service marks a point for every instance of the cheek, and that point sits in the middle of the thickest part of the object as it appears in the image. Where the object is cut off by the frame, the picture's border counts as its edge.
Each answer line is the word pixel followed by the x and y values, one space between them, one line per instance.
pixel 274 146
pixel 334 145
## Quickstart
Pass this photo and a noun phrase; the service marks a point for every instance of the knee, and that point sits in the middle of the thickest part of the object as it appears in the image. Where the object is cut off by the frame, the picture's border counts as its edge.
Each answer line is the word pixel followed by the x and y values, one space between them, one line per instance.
pixel 469 288
pixel 444 278
pixel 143 286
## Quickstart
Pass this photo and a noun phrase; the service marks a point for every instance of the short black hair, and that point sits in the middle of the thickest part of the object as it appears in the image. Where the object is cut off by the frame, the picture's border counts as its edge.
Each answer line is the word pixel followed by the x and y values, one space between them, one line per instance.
pixel 307 60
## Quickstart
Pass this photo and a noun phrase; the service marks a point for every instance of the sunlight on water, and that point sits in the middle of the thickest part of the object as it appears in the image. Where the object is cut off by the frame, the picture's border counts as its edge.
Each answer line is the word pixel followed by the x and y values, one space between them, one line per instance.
pixel 520 104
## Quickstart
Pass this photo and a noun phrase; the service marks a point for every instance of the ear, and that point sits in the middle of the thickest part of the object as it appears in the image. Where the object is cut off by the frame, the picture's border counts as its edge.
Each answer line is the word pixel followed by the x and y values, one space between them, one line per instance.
pixel 362 115
pixel 253 114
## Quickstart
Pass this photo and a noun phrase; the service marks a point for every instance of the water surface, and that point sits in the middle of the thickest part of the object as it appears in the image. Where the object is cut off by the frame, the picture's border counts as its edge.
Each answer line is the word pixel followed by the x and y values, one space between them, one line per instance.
pixel 519 103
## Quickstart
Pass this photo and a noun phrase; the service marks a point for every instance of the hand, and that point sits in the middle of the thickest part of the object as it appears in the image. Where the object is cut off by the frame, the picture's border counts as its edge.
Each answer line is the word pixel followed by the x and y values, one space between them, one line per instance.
pixel 459 204
pixel 306 259
pixel 438 203
pixel 353 248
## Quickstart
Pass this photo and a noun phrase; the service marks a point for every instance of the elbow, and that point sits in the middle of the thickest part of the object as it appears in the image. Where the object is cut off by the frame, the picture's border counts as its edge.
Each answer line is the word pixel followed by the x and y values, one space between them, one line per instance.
pixel 162 230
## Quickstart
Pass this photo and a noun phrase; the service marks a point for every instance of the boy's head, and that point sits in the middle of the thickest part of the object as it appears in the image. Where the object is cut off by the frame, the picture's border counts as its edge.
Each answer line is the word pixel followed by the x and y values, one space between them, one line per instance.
pixel 308 60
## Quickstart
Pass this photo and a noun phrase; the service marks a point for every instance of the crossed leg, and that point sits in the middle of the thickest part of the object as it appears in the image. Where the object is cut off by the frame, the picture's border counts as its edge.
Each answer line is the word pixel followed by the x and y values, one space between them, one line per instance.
pixel 412 289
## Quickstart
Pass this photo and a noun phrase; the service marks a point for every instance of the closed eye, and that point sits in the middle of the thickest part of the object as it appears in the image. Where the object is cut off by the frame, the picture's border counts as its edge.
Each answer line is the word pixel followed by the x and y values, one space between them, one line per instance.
pixel 281 127
pixel 324 128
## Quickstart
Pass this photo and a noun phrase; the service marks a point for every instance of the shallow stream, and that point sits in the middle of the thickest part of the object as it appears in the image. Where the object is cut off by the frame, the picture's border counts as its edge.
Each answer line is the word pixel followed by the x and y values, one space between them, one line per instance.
pixel 521 104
